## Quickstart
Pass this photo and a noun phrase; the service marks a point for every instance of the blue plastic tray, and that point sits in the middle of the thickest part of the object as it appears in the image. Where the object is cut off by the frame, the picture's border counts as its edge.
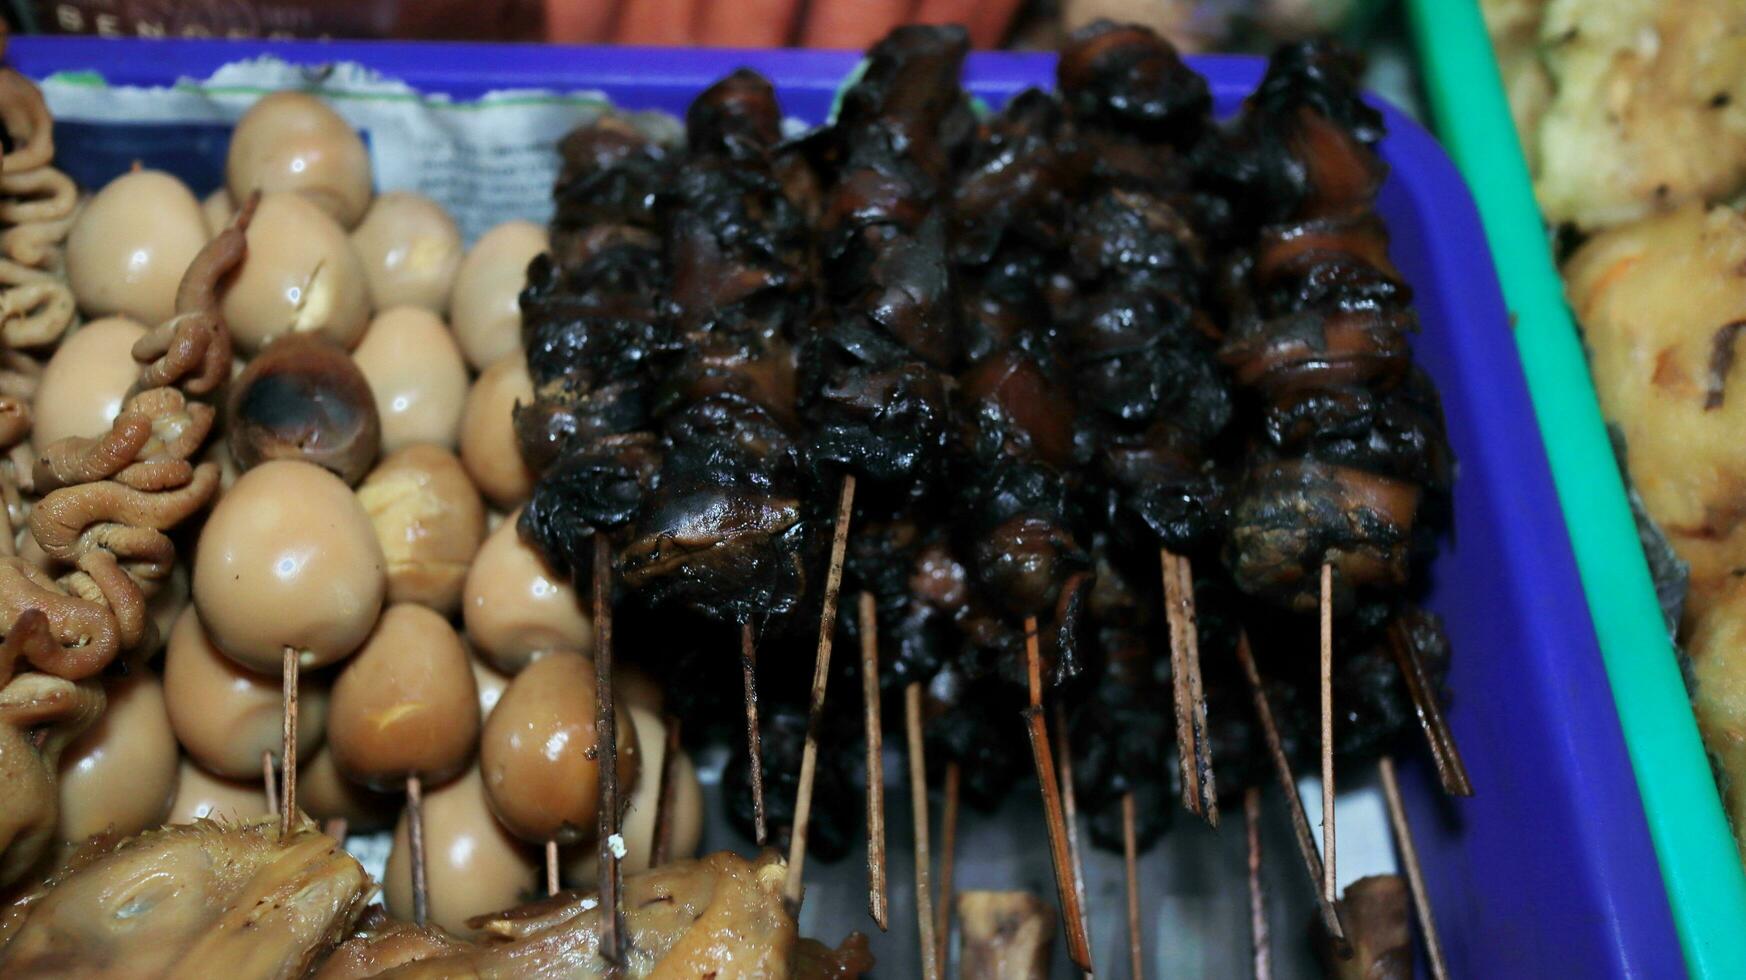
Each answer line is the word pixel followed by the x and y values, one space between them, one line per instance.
pixel 1548 870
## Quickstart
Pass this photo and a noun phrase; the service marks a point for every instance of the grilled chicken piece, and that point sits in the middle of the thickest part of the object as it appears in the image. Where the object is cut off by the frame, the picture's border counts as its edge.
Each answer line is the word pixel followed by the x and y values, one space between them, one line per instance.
pixel 205 899
pixel 1007 936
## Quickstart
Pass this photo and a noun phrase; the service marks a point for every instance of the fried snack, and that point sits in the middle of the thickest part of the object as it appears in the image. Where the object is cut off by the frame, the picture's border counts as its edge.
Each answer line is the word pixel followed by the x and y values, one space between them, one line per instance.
pixel 1661 301
pixel 1648 109
pixel 206 899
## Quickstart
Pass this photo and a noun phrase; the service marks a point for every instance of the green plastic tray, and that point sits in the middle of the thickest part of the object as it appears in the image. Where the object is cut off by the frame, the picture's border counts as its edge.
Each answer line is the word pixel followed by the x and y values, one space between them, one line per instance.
pixel 1706 886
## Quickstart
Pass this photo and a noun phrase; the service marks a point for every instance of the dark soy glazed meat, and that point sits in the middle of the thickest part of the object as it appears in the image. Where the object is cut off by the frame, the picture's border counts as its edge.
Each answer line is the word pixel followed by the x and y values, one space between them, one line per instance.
pixel 875 369
pixel 724 529
pixel 1349 443
pixel 597 341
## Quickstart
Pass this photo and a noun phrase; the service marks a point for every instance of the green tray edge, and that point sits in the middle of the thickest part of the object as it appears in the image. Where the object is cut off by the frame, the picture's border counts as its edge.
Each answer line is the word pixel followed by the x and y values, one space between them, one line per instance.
pixel 1706 885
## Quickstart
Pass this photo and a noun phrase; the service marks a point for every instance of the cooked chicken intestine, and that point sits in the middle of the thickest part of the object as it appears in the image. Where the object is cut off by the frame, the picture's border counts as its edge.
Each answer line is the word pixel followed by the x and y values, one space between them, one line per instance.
pixel 110 499
pixel 721 915
pixel 197 900
pixel 37 203
pixel 40 715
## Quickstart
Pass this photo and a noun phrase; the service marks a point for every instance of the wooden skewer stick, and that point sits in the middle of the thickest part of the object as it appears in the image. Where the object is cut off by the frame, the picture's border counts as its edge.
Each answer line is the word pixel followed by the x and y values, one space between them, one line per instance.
pixel 661 851
pixel 1451 770
pixel 876 904
pixel 288 746
pixel 1131 870
pixel 270 780
pixel 1306 842
pixel 336 828
pixel 415 842
pixel 1187 757
pixel 1329 891
pixel 918 803
pixel 612 929
pixel 1203 769
pixel 754 742
pixel 821 669
pixel 1258 932
pixel 1415 873
pixel 1070 810
pixel 948 850
pixel 551 867
pixel 1072 916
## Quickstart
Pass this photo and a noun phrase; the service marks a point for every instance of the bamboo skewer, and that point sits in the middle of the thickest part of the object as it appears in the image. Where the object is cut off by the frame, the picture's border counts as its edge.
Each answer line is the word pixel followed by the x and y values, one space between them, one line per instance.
pixel 415 843
pixel 1415 873
pixel 1188 697
pixel 918 801
pixel 660 851
pixel 1451 770
pixel 270 780
pixel 827 627
pixel 754 742
pixel 551 867
pixel 1131 872
pixel 948 851
pixel 606 738
pixel 288 745
pixel 1209 793
pixel 336 828
pixel 1070 810
pixel 1306 843
pixel 1073 918
pixel 876 900
pixel 1259 937
pixel 1329 892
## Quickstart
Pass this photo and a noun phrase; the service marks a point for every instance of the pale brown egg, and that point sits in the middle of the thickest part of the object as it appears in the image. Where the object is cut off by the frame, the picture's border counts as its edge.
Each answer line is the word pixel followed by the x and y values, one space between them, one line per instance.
pixel 290 141
pixel 304 398
pixel 411 251
pixel 485 306
pixel 417 376
pixel 406 705
pixel 202 796
pixel 538 752
pixel 85 382
pixel 217 208
pixel 120 775
pixel 472 864
pixel 301 276
pixel 516 608
pixel 488 446
pixel 326 795
pixel 225 717
pixel 130 245
pixel 429 521
pixel 288 559
pixel 581 861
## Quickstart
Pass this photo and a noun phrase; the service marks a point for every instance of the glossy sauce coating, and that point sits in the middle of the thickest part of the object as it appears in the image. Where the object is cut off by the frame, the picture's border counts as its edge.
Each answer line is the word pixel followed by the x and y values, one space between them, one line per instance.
pixel 429 521
pixel 406 705
pixel 224 716
pixel 131 243
pixel 289 141
pixel 488 446
pixel 301 275
pixel 121 774
pixel 485 306
pixel 516 608
pixel 638 827
pixel 326 795
pixel 411 251
pixel 417 375
pixel 85 382
pixel 288 558
pixel 472 864
pixel 202 796
pixel 303 398
pixel 535 753
pixel 490 683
